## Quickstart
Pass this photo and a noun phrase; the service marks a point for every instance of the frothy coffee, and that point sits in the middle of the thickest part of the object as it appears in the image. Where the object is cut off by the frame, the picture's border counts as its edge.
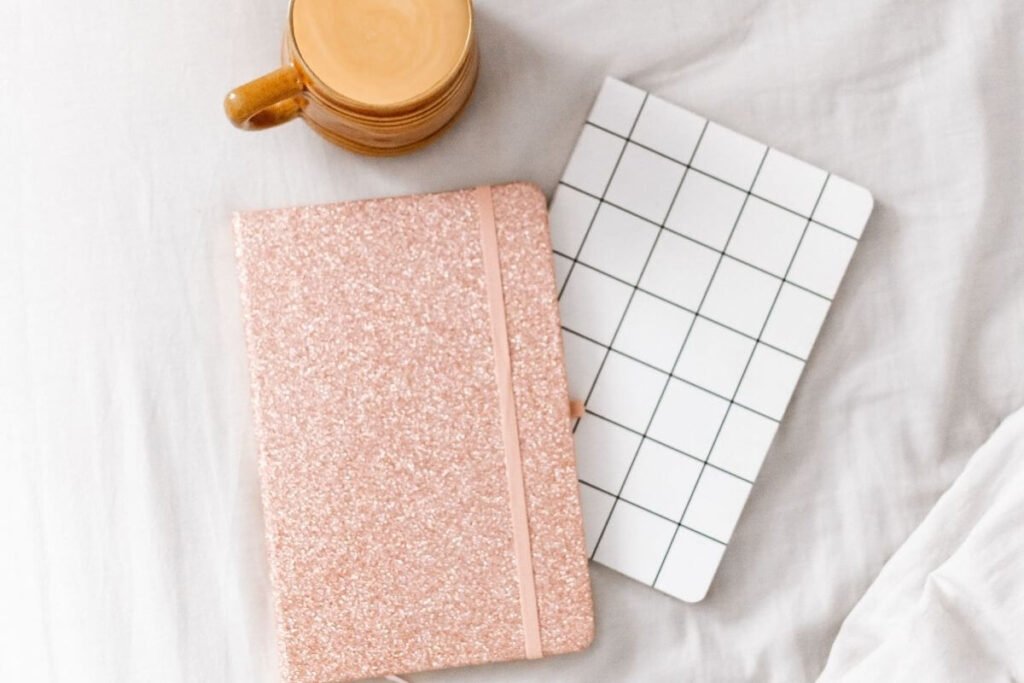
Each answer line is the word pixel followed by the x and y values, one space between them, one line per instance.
pixel 381 52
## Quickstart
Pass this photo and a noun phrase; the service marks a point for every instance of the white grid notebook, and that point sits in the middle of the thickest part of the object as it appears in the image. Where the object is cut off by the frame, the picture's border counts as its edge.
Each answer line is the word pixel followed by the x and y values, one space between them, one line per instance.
pixel 695 268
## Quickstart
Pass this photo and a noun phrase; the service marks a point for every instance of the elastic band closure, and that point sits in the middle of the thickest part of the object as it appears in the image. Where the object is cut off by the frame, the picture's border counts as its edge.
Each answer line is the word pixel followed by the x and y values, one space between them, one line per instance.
pixel 509 424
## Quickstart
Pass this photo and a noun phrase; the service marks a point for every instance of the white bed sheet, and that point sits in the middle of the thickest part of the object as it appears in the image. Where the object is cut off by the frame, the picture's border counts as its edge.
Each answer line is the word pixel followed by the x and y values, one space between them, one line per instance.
pixel 130 531
pixel 949 605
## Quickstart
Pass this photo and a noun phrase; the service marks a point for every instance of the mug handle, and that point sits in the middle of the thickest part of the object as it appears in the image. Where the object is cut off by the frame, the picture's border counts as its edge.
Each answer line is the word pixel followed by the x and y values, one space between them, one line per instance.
pixel 269 100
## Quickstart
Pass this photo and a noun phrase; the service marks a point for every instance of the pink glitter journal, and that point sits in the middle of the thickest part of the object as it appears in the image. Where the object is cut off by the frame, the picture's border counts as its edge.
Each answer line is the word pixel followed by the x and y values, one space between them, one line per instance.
pixel 417 467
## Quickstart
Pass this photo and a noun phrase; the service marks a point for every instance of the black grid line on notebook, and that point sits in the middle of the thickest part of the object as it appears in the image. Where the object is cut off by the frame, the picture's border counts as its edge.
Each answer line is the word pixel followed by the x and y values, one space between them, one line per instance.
pixel 685 341
pixel 668 380
pixel 655 513
pixel 746 367
pixel 667 447
pixel 635 286
pixel 726 182
pixel 674 304
pixel 671 375
pixel 696 241
pixel 601 198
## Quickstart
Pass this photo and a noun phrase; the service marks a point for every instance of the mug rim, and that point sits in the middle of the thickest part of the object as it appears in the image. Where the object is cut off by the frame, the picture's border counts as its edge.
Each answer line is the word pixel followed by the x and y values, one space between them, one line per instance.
pixel 412 103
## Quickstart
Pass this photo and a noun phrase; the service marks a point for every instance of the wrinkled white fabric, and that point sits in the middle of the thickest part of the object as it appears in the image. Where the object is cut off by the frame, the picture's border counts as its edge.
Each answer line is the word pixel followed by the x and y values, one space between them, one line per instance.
pixel 949 605
pixel 130 530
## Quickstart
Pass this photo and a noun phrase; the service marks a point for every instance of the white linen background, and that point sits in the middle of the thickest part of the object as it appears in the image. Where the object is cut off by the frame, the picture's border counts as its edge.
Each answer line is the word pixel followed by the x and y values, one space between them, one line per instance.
pixel 130 528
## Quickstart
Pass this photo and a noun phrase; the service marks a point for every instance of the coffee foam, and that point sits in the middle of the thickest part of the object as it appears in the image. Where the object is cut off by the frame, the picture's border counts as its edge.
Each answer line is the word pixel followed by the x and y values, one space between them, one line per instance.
pixel 381 52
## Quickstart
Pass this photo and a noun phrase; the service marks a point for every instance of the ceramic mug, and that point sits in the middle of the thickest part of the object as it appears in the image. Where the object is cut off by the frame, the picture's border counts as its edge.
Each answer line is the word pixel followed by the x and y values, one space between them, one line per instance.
pixel 374 76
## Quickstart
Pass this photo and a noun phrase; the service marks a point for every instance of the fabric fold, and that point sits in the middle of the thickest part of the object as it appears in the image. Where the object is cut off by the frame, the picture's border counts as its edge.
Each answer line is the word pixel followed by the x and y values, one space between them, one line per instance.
pixel 949 604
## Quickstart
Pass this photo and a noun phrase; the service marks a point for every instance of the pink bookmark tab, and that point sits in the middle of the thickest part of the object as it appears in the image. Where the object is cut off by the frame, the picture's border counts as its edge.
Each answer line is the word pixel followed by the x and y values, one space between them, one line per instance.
pixel 509 424
pixel 576 409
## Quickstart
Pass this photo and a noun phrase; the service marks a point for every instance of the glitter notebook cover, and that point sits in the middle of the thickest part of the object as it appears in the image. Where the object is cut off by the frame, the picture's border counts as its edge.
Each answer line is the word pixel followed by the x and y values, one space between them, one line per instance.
pixel 384 476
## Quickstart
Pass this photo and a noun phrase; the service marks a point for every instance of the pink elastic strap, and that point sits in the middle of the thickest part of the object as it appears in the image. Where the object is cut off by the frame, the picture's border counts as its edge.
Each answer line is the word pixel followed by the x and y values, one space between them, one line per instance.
pixel 509 424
